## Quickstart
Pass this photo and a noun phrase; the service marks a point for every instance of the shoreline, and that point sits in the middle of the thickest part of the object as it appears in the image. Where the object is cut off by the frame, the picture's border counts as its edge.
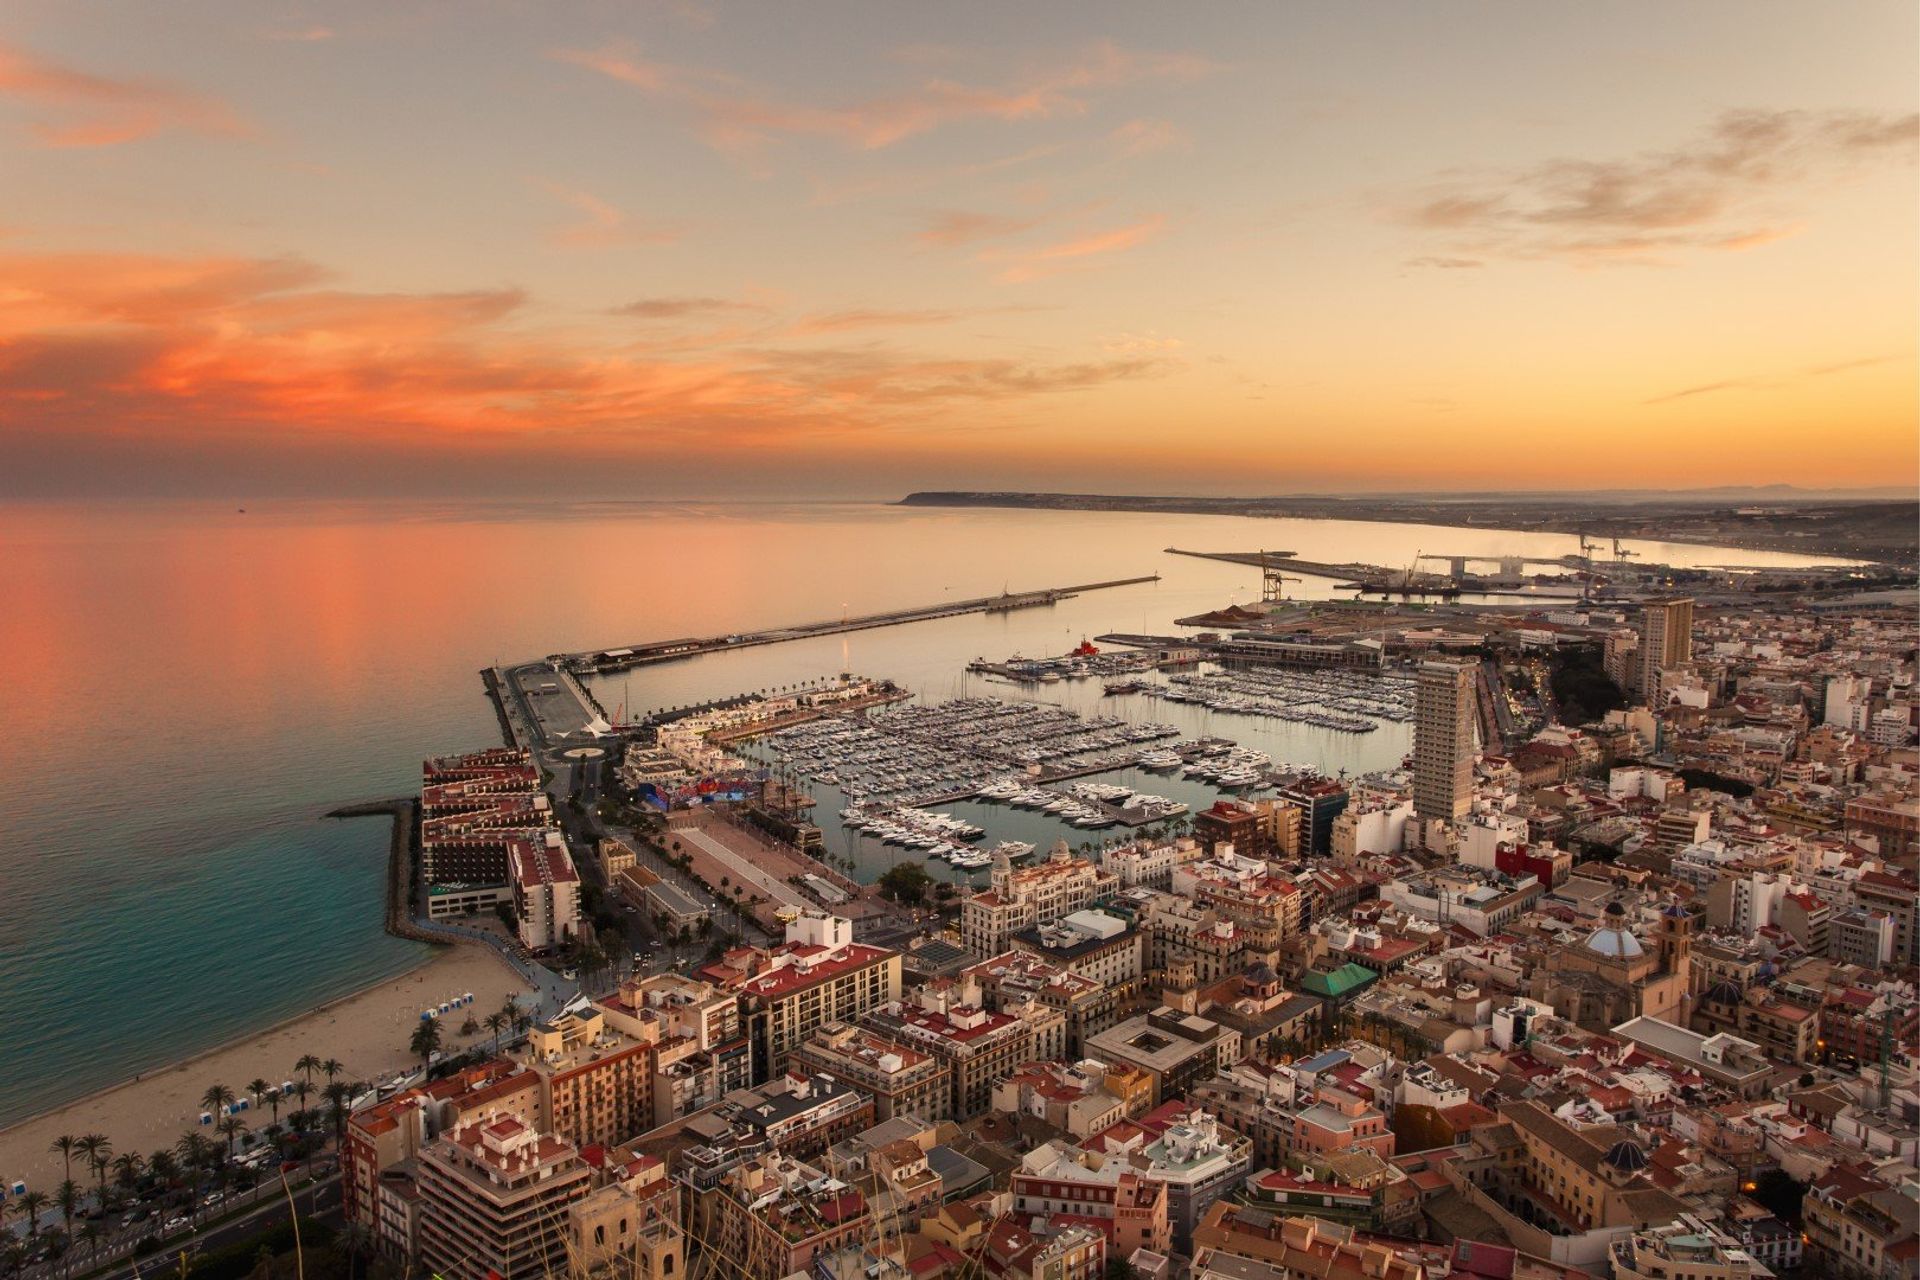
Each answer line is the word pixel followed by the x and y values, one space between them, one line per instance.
pixel 151 1109
pixel 201 1055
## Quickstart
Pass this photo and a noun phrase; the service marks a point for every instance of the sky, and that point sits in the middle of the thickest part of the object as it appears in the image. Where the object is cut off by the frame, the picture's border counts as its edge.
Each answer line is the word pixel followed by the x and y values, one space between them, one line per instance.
pixel 665 247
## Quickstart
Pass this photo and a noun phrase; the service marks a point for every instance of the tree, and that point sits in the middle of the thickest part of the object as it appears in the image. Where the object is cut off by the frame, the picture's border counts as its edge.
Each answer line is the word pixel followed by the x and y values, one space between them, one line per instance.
pixel 230 1129
pixel 65 1145
pixel 257 1089
pixel 471 1027
pixel 332 1067
pixel 301 1090
pixel 426 1041
pixel 98 1151
pixel 496 1023
pixel 127 1168
pixel 217 1098
pixel 31 1206
pixel 68 1196
pixel 906 882
pixel 309 1064
pixel 339 1094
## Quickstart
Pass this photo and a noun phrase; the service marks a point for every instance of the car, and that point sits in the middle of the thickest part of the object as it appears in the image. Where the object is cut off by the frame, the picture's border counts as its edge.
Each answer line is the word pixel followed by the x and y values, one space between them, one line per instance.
pixel 174 1223
pixel 214 1199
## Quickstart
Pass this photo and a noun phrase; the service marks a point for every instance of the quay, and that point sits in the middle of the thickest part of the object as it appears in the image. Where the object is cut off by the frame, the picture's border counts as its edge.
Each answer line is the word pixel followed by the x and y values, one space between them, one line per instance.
pixel 1370 579
pixel 602 661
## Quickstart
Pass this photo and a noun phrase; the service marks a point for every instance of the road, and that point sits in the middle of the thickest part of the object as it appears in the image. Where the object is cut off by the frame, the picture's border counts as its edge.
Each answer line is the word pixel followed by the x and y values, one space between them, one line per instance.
pixel 320 1200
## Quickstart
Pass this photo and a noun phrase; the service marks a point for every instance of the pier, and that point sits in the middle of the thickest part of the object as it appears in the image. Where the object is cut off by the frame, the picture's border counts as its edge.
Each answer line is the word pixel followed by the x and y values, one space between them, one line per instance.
pixel 602 661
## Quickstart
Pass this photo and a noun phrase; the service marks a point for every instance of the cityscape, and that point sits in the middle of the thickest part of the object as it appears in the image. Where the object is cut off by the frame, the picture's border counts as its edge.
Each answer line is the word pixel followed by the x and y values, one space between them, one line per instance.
pixel 687 641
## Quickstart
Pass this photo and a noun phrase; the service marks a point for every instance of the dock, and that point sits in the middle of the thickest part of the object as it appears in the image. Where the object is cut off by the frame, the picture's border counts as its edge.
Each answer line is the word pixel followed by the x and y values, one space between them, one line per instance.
pixel 602 661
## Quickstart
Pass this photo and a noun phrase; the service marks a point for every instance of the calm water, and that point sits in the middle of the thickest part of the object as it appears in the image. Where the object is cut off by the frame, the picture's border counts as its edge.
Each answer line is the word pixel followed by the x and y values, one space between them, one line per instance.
pixel 185 689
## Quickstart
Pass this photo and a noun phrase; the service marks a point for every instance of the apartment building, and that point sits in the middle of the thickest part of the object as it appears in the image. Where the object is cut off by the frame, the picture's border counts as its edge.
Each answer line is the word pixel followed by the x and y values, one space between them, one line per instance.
pixel 819 975
pixel 774 1215
pixel 1690 1246
pixel 1177 1050
pixel 1020 898
pixel 902 1080
pixel 495 1199
pixel 1058 1178
pixel 1443 740
pixel 546 891
pixel 385 1137
pixel 949 1021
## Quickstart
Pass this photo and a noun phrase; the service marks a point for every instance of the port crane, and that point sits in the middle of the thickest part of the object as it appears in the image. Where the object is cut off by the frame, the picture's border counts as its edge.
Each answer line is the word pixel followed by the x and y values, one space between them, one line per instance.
pixel 1272 582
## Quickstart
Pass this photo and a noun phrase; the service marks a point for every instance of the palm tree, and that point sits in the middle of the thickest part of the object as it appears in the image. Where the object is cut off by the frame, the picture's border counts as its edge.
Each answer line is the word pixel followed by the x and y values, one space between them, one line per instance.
pixel 258 1089
pixel 217 1098
pixel 98 1151
pixel 127 1167
pixel 231 1128
pixel 68 1197
pixel 65 1145
pixel 332 1067
pixel 309 1064
pixel 425 1042
pixel 496 1023
pixel 339 1094
pixel 31 1206
pixel 163 1166
pixel 273 1101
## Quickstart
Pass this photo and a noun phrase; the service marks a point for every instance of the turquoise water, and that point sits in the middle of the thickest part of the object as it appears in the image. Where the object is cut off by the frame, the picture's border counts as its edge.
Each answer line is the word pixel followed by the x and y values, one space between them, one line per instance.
pixel 184 690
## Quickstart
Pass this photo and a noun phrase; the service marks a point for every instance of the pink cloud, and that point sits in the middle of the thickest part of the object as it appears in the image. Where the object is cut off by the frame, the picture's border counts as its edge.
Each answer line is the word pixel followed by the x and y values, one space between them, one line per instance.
pixel 1033 264
pixel 604 225
pixel 98 111
pixel 736 116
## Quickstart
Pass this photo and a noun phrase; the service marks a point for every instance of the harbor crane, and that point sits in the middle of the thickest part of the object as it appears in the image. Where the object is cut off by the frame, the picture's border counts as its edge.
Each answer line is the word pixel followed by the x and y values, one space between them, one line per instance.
pixel 1272 582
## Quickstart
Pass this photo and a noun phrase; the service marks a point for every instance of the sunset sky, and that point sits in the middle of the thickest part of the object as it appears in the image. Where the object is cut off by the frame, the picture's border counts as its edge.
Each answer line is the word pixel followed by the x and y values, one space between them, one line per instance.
pixel 641 249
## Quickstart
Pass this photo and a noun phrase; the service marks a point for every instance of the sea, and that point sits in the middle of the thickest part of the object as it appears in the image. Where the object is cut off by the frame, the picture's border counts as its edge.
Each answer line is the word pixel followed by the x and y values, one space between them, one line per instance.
pixel 187 688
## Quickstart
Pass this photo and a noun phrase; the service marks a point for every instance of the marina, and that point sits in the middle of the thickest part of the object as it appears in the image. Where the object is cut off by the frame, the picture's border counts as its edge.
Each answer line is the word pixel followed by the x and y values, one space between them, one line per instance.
pixel 1338 700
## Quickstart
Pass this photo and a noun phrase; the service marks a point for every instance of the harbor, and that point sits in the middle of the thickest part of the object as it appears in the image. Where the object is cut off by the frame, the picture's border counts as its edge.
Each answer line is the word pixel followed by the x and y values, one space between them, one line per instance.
pixel 603 661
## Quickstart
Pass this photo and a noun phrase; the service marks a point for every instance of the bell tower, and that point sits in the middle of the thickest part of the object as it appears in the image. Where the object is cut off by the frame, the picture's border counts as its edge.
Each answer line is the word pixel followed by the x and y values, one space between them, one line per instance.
pixel 1676 943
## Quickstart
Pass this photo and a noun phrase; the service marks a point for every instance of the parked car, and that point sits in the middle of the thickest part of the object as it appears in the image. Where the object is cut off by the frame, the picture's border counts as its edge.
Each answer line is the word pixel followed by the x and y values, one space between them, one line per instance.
pixel 174 1223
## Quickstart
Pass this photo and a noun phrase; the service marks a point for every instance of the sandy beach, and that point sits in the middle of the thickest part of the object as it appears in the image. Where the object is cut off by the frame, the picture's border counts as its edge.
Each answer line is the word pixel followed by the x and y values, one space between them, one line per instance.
pixel 366 1031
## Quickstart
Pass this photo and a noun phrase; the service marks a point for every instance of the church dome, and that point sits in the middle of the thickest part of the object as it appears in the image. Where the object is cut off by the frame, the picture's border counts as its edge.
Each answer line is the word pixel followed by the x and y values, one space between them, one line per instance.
pixel 1613 938
pixel 1627 1156
pixel 1725 991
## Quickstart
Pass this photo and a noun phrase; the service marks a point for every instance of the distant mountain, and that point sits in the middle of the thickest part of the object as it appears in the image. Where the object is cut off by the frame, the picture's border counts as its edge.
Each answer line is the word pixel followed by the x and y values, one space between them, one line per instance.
pixel 1718 493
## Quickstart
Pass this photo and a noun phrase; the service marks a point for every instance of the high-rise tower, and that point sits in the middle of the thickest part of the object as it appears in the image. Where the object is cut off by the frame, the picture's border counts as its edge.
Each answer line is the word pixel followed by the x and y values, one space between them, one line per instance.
pixel 1666 642
pixel 1443 727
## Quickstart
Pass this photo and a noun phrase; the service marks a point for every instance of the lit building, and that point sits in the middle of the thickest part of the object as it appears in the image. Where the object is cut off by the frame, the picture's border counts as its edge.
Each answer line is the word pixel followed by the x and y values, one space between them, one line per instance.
pixel 495 1198
pixel 1443 738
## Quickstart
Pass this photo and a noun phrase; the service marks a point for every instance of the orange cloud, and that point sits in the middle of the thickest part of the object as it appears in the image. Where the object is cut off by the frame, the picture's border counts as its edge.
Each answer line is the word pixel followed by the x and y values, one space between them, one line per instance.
pixel 177 350
pixel 605 226
pixel 956 228
pixel 736 116
pixel 1034 264
pixel 96 111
